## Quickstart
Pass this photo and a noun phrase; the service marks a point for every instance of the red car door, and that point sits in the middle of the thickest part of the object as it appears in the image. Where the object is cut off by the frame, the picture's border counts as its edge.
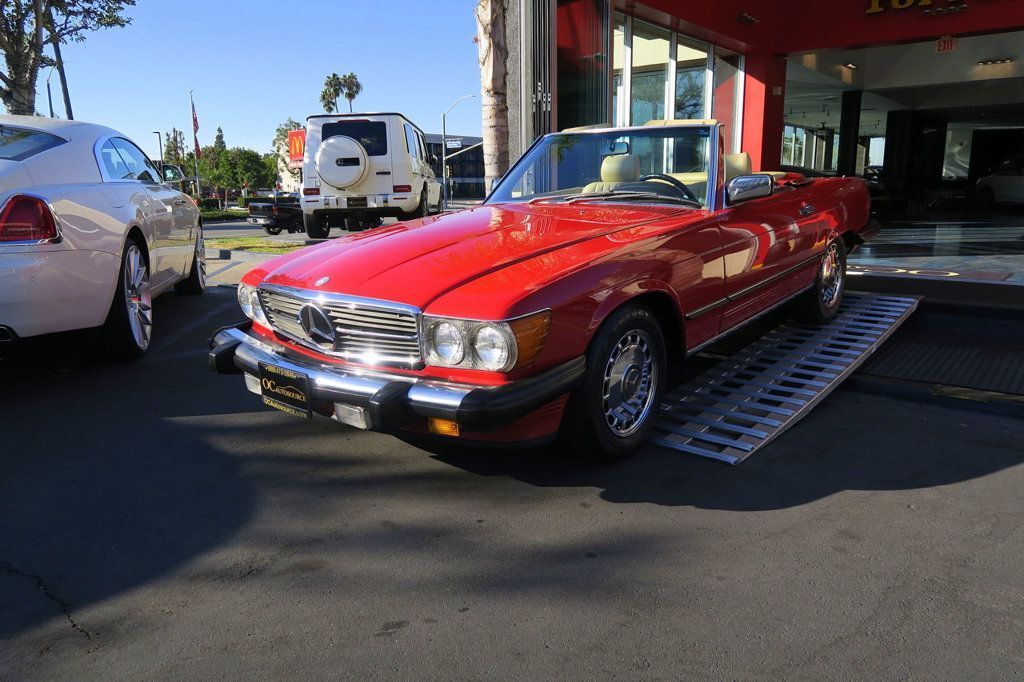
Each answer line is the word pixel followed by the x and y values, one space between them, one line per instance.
pixel 768 248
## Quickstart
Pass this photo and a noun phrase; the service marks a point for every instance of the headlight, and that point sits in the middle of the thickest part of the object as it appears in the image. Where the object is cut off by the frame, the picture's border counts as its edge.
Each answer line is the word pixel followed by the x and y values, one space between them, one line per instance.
pixel 491 346
pixel 249 301
pixel 448 343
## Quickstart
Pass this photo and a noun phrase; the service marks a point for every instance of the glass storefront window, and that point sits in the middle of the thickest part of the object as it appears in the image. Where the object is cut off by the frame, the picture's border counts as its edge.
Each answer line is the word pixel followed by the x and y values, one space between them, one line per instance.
pixel 727 99
pixel 618 59
pixel 649 73
pixel 691 77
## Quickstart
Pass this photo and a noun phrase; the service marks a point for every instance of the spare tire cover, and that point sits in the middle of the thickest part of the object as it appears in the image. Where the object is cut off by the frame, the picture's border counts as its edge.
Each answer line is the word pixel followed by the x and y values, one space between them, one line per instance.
pixel 341 162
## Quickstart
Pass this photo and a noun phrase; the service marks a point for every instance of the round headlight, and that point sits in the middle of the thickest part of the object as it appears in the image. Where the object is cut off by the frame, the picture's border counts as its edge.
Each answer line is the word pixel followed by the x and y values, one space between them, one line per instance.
pixel 448 343
pixel 245 299
pixel 491 346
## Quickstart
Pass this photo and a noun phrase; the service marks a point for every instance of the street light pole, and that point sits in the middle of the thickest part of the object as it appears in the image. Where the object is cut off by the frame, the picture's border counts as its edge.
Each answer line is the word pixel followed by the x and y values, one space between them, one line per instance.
pixel 446 194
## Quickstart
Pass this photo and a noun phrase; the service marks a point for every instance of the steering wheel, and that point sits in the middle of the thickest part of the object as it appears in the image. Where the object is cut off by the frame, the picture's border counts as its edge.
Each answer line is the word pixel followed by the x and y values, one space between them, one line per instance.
pixel 676 183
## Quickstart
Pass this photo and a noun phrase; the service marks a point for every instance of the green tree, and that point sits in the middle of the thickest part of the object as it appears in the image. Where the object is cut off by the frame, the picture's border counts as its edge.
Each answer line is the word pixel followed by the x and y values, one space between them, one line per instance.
pixel 27 26
pixel 249 169
pixel 350 87
pixel 331 93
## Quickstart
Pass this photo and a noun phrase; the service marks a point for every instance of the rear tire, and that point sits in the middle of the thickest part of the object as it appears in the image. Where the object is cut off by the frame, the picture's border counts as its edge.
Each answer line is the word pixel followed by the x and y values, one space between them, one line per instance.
pixel 421 209
pixel 819 304
pixel 611 413
pixel 128 329
pixel 315 228
pixel 272 230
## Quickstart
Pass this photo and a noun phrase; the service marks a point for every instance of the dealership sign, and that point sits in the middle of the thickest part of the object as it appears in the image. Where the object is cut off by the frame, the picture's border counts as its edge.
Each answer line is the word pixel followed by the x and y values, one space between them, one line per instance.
pixel 930 6
pixel 296 147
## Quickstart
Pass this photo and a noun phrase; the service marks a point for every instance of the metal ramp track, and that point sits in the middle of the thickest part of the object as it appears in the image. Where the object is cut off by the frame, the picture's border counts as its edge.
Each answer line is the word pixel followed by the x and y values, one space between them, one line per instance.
pixel 743 403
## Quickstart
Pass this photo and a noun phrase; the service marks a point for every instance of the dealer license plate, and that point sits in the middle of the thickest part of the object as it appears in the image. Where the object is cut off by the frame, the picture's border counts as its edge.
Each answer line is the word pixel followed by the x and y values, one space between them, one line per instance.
pixel 285 390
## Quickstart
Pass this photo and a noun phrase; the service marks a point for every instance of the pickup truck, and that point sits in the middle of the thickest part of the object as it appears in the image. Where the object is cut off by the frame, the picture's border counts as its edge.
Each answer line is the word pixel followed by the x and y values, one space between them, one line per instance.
pixel 276 214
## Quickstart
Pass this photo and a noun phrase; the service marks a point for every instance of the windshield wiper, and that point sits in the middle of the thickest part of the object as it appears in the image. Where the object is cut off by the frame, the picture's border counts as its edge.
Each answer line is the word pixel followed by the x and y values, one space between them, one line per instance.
pixel 646 196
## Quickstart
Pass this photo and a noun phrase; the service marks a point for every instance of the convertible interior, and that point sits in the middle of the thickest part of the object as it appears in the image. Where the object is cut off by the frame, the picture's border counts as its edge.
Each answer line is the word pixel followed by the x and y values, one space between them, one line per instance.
pixel 622 171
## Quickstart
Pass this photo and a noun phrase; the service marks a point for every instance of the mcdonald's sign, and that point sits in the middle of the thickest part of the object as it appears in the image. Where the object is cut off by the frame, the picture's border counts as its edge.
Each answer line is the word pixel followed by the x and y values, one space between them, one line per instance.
pixel 296 147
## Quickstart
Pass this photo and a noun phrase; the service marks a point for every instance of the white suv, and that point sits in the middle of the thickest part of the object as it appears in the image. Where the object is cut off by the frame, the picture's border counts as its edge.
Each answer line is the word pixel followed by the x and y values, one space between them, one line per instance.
pixel 360 168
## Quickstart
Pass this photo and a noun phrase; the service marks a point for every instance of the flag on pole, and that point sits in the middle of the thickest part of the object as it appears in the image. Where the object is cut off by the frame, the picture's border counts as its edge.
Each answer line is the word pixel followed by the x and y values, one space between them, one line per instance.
pixel 195 127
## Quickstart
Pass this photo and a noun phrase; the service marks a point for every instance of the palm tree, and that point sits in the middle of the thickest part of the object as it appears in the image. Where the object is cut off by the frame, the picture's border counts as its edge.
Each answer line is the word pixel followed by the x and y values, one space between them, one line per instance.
pixel 350 87
pixel 331 92
pixel 493 56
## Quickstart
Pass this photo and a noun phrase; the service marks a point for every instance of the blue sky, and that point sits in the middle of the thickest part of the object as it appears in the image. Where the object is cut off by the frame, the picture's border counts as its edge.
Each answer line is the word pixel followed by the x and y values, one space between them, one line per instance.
pixel 254 63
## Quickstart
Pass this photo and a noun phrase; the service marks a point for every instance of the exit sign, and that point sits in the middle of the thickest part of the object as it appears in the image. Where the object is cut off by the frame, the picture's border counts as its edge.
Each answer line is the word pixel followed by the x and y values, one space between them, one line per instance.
pixel 945 44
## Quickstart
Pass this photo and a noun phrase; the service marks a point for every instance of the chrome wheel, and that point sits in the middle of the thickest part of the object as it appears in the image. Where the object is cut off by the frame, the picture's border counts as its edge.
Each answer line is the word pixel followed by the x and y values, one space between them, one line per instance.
pixel 831 276
pixel 630 382
pixel 138 298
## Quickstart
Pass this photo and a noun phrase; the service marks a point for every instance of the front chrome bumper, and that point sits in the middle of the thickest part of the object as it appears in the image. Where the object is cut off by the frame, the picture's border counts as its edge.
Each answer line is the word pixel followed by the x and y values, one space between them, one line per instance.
pixel 391 400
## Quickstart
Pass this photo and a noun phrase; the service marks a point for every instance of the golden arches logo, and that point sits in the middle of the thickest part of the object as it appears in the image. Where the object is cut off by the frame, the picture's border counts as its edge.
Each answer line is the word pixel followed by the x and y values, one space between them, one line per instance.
pixel 296 144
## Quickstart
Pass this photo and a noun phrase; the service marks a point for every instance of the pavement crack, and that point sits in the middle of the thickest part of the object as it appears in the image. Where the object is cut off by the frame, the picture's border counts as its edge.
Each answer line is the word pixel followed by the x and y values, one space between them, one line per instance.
pixel 41 585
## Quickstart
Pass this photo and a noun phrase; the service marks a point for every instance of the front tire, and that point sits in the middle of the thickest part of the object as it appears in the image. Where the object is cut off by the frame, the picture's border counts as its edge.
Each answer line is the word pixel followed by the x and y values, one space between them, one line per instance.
pixel 819 304
pixel 128 329
pixel 315 228
pixel 611 413
pixel 195 283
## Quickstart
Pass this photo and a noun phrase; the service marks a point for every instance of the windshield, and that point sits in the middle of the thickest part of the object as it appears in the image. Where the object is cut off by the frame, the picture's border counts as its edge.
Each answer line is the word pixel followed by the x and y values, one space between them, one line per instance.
pixel 614 165
pixel 18 144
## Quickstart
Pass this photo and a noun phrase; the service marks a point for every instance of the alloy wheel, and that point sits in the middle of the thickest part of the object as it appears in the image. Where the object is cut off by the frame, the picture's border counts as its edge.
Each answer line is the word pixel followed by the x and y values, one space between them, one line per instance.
pixel 630 380
pixel 138 297
pixel 831 276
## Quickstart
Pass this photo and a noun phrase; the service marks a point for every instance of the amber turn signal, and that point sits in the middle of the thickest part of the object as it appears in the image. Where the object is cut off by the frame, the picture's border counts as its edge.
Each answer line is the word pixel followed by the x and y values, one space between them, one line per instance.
pixel 442 427
pixel 531 332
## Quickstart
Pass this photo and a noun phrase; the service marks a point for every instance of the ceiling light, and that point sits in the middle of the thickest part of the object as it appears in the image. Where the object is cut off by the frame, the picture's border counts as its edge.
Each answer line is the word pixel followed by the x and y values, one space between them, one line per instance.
pixel 990 62
pixel 850 65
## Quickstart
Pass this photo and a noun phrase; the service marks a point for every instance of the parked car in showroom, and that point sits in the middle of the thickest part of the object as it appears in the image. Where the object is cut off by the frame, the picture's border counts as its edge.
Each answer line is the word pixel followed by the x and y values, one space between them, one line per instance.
pixel 361 168
pixel 1005 185
pixel 90 233
pixel 557 306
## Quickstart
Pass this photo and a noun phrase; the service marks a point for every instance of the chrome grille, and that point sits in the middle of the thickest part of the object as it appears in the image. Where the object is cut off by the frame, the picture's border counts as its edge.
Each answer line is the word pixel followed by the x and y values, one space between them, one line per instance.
pixel 368 331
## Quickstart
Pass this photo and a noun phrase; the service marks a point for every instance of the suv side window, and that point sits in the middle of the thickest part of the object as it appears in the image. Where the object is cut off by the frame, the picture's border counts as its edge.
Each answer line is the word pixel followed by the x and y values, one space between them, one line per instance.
pixel 138 163
pixel 410 141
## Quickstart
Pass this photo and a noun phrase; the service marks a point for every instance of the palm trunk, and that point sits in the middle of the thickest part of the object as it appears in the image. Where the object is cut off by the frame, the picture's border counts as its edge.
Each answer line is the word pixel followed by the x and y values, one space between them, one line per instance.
pixel 493 55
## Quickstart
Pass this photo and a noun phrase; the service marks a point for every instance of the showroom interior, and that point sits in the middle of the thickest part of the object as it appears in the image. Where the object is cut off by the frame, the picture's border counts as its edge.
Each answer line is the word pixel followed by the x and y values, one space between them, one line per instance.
pixel 922 98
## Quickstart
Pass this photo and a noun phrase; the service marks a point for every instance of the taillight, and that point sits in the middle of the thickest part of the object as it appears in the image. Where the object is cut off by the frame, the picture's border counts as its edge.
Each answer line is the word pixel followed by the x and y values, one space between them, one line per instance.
pixel 26 218
pixel 401 188
pixel 311 191
pixel 273 211
pixel 250 209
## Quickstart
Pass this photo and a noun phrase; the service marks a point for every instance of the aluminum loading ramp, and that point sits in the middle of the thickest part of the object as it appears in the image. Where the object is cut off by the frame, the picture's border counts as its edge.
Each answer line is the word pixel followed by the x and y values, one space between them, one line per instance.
pixel 744 402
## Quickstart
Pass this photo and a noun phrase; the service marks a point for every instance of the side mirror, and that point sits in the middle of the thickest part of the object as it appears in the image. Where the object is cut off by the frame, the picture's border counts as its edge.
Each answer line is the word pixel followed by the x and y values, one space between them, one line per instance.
pixel 747 187
pixel 172 173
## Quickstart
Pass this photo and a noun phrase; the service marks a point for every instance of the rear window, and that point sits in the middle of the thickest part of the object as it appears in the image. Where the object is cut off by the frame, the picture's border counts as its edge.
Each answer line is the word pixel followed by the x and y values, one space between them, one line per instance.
pixel 18 144
pixel 373 135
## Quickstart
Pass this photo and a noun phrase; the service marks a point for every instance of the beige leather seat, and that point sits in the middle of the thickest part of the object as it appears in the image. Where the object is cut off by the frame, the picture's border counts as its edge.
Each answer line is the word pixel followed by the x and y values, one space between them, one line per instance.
pixel 736 164
pixel 615 170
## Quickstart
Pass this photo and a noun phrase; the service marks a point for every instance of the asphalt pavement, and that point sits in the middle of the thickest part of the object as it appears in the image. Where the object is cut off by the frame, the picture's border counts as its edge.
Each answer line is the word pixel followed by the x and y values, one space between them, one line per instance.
pixel 158 522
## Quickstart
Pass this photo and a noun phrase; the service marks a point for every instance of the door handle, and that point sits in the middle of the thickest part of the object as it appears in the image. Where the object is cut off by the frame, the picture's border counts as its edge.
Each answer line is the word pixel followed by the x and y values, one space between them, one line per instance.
pixel 180 202
pixel 806 209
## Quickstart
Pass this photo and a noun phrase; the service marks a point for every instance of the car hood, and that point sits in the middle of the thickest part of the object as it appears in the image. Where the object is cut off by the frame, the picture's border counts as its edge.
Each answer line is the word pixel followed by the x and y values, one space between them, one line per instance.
pixel 418 261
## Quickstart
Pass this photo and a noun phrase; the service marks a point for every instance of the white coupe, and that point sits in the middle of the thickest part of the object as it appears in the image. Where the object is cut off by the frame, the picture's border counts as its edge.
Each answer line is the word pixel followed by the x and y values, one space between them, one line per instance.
pixel 90 231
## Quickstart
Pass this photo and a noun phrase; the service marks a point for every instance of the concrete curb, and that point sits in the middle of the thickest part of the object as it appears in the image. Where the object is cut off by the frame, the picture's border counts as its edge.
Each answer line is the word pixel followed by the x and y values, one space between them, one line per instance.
pixel 226 254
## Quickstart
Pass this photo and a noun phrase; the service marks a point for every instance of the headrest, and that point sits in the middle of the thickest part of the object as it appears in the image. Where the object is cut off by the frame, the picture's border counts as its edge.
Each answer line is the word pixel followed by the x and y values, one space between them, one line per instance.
pixel 620 168
pixel 736 164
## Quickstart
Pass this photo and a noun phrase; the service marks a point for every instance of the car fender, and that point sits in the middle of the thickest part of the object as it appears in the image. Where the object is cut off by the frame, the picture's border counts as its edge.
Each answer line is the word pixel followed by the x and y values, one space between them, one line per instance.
pixel 628 291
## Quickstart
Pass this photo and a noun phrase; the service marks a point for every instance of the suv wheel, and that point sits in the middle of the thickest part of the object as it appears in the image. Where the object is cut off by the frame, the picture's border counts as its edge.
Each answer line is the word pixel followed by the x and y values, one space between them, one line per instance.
pixel 315 228
pixel 421 209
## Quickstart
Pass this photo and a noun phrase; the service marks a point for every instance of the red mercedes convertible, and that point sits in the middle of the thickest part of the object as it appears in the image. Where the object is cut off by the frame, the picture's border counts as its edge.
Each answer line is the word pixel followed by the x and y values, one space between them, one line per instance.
pixel 557 306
